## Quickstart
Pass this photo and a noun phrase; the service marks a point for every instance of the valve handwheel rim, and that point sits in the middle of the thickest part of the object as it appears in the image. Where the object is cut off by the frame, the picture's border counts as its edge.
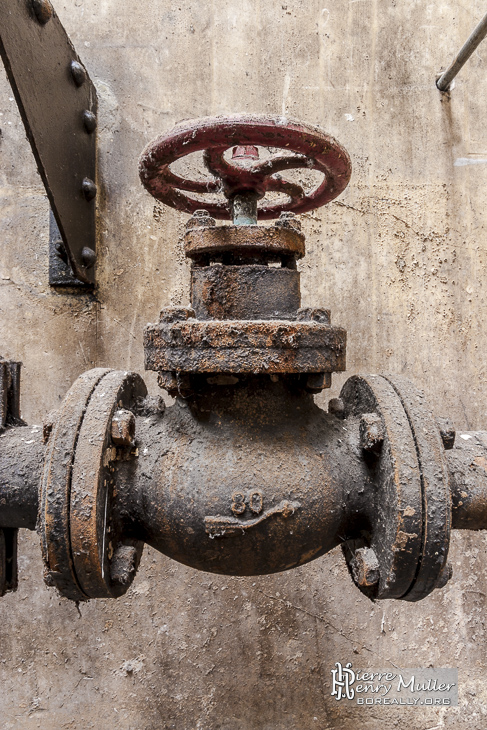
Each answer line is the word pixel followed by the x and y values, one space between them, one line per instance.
pixel 315 150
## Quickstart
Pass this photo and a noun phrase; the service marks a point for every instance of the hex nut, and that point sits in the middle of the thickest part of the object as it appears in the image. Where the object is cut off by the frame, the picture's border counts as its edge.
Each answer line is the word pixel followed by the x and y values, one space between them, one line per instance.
pixel 316 382
pixel 200 219
pixel 287 219
pixel 314 314
pixel 371 432
pixel 123 428
pixel 365 568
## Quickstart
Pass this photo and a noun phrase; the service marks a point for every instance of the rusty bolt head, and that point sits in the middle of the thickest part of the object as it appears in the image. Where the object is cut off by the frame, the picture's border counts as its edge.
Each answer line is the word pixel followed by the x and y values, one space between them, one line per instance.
pixel 200 219
pixel 444 576
pixel 43 10
pixel 78 73
pixel 365 568
pixel 371 432
pixel 123 428
pixel 123 565
pixel 288 220
pixel 337 408
pixel 447 432
pixel 176 314
pixel 314 314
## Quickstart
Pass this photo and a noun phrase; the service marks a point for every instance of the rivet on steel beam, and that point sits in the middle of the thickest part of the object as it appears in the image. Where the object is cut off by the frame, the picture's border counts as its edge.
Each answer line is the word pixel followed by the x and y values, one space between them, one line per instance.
pixel 89 188
pixel 78 73
pixel 89 121
pixel 88 257
pixel 43 10
pixel 371 432
pixel 365 567
pixel 123 428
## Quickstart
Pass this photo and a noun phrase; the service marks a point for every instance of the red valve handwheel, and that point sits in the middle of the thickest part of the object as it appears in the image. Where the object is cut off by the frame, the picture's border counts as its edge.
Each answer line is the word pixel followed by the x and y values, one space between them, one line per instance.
pixel 314 150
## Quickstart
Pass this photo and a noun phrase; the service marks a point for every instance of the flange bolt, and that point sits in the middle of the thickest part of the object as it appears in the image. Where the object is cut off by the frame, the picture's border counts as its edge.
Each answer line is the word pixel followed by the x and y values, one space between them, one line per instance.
pixel 123 428
pixel 365 568
pixel 200 219
pixel 287 219
pixel 371 432
pixel 447 432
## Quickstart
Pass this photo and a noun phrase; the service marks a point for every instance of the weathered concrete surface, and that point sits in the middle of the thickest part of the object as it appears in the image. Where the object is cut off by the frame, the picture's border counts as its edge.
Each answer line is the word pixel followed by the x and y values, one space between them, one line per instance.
pixel 401 261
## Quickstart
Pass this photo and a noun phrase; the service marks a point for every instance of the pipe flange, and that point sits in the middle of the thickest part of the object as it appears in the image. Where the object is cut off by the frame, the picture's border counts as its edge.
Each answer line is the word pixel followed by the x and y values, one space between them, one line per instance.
pixel 55 494
pixel 83 554
pixel 410 516
pixel 244 346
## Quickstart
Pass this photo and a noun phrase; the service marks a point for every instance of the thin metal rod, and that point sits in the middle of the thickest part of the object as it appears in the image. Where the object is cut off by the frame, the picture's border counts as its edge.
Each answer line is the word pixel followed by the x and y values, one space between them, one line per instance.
pixel 466 51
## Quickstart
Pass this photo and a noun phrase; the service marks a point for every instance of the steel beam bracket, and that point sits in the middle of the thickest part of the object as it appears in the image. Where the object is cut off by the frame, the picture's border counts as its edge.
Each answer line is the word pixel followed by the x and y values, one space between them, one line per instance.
pixel 58 105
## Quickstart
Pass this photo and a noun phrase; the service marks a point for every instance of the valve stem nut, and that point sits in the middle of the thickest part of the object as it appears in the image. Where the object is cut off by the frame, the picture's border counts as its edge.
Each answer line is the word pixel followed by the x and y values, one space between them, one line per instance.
pixel 371 432
pixel 200 219
pixel 288 220
pixel 123 428
pixel 365 568
pixel 447 432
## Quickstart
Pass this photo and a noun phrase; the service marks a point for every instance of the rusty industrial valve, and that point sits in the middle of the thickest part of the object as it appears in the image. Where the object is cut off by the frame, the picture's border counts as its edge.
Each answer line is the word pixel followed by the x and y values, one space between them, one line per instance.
pixel 244 474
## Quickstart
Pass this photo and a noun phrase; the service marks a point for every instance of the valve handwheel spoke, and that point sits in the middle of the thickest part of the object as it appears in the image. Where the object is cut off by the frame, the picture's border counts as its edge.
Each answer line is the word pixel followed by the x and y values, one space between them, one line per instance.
pixel 245 173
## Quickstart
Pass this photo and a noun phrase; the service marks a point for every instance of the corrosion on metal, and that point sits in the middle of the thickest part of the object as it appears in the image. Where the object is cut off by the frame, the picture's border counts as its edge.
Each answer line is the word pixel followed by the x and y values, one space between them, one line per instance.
pixel 244 474
pixel 240 346
pixel 313 150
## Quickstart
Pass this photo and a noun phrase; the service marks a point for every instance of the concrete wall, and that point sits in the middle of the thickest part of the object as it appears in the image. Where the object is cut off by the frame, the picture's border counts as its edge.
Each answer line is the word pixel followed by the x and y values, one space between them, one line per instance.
pixel 400 259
